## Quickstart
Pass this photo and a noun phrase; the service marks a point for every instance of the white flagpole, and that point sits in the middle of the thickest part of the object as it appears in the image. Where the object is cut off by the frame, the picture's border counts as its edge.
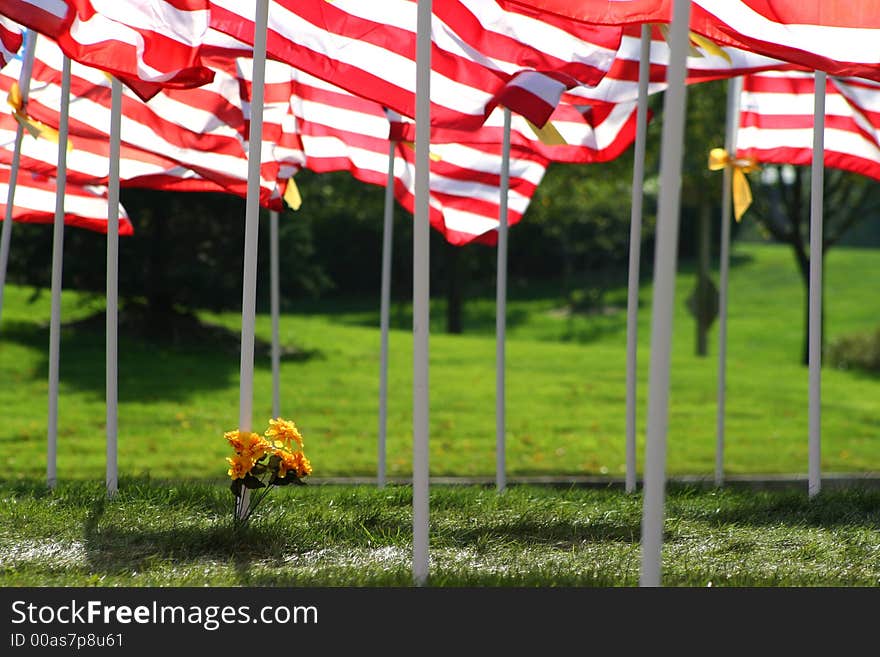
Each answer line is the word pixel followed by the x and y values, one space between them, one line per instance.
pixel 276 311
pixel 817 180
pixel 384 313
pixel 24 83
pixel 501 309
pixel 635 247
pixel 251 233
pixel 665 254
pixel 421 295
pixel 57 262
pixel 112 357
pixel 734 91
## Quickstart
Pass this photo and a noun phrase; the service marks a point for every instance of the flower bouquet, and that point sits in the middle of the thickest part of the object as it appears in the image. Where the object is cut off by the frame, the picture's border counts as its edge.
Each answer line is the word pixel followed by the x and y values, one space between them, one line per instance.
pixel 262 462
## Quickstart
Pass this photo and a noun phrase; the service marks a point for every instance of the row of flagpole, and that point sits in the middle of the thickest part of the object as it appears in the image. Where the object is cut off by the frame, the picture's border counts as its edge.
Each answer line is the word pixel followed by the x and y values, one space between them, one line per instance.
pixel 664 274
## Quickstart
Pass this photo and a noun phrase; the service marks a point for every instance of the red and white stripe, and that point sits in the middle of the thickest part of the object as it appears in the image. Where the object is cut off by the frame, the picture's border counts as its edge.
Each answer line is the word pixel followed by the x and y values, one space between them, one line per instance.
pixel 85 206
pixel 837 37
pixel 609 12
pixel 776 121
pixel 203 129
pixel 341 132
pixel 621 84
pixel 147 44
pixel 479 48
pixel 592 133
pixel 10 40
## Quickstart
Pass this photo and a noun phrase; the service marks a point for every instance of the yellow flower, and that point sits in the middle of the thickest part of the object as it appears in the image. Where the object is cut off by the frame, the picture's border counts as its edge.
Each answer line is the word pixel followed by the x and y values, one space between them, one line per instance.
pixel 248 444
pixel 303 467
pixel 294 462
pixel 285 431
pixel 258 447
pixel 234 439
pixel 239 466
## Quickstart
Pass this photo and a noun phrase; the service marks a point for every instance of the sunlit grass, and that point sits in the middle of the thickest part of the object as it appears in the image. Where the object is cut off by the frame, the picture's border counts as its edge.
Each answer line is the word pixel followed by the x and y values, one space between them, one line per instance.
pixel 565 385
pixel 155 533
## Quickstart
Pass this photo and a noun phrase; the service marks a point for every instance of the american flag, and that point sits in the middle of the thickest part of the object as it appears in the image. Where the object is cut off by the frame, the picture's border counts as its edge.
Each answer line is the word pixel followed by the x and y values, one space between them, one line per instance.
pixel 85 206
pixel 479 50
pixel 146 45
pixel 776 121
pixel 341 132
pixel 181 138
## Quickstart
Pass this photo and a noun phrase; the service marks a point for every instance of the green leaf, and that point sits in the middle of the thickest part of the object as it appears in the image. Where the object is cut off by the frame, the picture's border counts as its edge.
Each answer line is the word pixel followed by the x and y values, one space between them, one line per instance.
pixel 235 487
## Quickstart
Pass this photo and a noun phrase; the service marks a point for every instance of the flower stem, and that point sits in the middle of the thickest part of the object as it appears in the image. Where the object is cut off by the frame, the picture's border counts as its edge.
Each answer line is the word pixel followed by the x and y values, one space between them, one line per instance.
pixel 256 503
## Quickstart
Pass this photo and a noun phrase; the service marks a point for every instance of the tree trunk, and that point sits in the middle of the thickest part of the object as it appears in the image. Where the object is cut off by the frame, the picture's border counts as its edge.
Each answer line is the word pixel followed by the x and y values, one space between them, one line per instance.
pixel 158 295
pixel 703 308
pixel 454 291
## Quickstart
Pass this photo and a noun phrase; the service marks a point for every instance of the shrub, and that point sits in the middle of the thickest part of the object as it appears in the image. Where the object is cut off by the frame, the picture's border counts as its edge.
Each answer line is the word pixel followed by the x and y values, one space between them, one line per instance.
pixel 856 351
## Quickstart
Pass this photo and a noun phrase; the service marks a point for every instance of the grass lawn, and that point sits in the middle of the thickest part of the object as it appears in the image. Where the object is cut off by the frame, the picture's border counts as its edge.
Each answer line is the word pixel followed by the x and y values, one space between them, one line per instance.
pixel 565 385
pixel 155 533
pixel 170 523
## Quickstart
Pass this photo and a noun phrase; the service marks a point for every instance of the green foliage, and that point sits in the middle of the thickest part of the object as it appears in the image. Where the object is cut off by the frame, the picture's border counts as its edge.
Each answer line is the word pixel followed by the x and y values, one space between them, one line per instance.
pixel 187 252
pixel 857 351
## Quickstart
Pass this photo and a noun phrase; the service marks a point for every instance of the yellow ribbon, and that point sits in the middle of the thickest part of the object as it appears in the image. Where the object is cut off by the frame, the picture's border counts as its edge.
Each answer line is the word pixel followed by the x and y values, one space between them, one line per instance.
pixel 548 134
pixel 432 156
pixel 34 127
pixel 292 196
pixel 698 40
pixel 742 193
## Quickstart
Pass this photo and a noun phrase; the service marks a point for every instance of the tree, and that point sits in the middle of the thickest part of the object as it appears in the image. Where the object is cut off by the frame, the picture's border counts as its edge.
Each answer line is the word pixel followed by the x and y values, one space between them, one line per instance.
pixel 782 208
pixel 186 254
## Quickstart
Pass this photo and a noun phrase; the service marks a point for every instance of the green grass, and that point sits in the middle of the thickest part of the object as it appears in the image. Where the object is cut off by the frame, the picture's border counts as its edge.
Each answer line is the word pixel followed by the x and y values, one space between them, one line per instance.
pixel 565 385
pixel 155 533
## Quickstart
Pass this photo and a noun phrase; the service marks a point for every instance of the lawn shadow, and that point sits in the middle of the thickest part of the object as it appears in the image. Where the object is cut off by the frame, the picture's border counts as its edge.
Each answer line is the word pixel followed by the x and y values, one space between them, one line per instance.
pixel 116 549
pixel 856 506
pixel 165 364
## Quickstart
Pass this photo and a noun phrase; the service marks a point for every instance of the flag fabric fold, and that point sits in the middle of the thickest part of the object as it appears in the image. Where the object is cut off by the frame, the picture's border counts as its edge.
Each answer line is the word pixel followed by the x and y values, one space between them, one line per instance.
pixel 147 45
pixel 11 38
pixel 478 49
pixel 342 132
pixel 776 121
pixel 186 138
pixel 837 37
pixel 85 206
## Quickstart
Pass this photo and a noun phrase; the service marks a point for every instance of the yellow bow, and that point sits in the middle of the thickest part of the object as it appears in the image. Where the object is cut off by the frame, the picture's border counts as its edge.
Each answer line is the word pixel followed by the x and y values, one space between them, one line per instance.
pixel 34 127
pixel 742 193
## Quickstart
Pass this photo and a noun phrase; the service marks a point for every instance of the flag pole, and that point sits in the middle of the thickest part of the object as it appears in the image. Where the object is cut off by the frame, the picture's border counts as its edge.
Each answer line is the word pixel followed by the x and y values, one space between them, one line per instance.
pixel 421 295
pixel 817 180
pixel 57 263
pixel 112 311
pixel 251 233
pixel 275 294
pixel 24 84
pixel 384 313
pixel 665 254
pixel 635 245
pixel 734 91
pixel 501 309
